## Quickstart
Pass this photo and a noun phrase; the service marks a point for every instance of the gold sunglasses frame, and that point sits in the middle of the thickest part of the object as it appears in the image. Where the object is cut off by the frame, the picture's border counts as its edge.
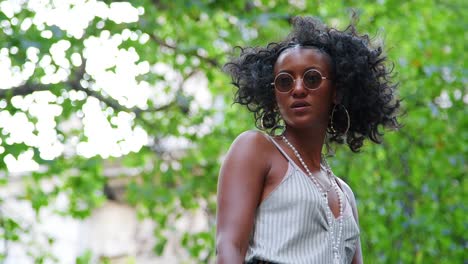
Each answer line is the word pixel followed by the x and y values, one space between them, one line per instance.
pixel 302 79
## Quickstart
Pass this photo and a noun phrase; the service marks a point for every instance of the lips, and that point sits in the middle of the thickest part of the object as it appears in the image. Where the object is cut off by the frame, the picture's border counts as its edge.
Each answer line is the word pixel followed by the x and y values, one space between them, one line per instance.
pixel 299 104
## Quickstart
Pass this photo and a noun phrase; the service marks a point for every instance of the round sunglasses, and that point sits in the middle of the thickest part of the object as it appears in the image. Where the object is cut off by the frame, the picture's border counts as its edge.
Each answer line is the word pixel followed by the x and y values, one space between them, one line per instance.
pixel 284 82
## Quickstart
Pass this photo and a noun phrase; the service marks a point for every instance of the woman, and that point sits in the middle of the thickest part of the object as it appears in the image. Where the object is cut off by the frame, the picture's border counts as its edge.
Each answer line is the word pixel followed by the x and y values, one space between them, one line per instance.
pixel 278 200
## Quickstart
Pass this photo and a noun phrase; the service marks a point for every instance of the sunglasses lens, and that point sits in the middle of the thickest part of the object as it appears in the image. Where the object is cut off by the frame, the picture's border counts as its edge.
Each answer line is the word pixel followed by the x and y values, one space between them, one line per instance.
pixel 284 82
pixel 312 79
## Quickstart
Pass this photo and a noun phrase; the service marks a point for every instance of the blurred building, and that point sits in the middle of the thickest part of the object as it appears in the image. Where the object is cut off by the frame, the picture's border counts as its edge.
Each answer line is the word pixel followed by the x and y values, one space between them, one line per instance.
pixel 111 233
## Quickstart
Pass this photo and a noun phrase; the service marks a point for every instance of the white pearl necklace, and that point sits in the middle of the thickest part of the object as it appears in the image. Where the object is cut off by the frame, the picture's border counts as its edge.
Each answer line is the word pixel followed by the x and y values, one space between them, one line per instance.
pixel 335 241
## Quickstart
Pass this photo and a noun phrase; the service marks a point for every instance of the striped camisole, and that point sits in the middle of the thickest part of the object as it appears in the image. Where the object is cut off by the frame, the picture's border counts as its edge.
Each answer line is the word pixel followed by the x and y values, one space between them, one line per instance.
pixel 291 226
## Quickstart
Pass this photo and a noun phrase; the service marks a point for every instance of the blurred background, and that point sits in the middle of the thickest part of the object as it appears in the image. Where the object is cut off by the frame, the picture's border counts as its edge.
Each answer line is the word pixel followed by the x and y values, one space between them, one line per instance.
pixel 116 115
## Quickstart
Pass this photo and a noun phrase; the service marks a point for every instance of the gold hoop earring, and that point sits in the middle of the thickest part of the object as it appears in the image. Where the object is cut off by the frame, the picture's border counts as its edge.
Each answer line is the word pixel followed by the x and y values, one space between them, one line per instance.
pixel 333 130
pixel 262 124
pixel 264 116
pixel 280 124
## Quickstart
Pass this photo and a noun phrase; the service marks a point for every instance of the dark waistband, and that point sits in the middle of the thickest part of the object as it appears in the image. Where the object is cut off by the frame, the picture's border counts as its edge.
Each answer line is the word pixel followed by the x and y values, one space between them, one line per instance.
pixel 259 261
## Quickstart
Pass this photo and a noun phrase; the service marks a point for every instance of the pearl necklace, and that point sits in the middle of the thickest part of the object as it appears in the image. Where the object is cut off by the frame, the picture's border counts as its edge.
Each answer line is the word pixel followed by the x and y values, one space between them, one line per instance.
pixel 337 241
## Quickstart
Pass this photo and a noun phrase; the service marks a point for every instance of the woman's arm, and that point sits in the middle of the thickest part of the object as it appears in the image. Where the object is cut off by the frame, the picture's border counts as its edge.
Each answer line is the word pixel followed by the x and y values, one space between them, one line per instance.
pixel 240 186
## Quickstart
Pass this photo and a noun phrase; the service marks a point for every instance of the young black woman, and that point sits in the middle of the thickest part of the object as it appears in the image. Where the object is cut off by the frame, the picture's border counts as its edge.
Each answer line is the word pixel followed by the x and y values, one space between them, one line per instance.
pixel 278 200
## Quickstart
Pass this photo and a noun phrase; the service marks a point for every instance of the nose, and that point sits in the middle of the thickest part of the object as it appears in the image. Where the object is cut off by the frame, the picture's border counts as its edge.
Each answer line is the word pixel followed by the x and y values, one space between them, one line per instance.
pixel 298 89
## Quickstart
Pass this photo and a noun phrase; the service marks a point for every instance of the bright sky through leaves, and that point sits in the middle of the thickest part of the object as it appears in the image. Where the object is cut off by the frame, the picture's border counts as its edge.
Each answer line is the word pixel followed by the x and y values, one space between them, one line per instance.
pixel 113 69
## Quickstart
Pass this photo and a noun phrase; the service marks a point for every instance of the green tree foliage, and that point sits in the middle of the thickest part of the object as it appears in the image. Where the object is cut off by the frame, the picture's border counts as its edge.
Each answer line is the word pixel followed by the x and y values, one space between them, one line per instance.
pixel 410 190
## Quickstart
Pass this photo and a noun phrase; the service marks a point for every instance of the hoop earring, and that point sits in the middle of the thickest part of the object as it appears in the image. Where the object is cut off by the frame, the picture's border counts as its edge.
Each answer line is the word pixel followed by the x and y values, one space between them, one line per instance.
pixel 276 116
pixel 333 130
pixel 262 126
pixel 262 121
pixel 280 127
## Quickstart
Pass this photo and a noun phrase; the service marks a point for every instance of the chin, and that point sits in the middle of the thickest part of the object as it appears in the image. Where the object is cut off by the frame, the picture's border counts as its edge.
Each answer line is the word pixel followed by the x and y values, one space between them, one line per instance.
pixel 305 122
pixel 302 123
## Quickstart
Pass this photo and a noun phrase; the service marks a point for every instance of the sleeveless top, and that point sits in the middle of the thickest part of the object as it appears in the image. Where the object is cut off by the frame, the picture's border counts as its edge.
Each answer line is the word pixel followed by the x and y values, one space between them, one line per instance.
pixel 291 225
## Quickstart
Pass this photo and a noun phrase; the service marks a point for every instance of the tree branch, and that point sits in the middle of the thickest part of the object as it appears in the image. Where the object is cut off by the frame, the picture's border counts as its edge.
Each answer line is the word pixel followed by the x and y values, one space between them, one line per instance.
pixel 25 89
pixel 161 42
pixel 74 84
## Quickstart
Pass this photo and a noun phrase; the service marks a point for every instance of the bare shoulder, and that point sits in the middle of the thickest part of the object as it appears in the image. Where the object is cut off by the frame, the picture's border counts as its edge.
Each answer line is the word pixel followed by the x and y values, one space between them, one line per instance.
pixel 253 136
pixel 250 151
pixel 252 143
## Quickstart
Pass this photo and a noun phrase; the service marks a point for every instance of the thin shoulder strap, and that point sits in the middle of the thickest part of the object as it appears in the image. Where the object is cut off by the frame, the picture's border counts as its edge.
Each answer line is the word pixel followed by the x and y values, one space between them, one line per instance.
pixel 280 149
pixel 338 181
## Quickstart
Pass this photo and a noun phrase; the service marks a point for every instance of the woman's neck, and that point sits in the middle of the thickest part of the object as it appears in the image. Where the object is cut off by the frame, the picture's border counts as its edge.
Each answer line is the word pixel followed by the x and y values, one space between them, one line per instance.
pixel 308 142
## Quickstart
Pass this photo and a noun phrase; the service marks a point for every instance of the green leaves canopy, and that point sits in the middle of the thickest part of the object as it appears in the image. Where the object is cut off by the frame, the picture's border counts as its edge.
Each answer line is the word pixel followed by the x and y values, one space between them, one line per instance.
pixel 409 189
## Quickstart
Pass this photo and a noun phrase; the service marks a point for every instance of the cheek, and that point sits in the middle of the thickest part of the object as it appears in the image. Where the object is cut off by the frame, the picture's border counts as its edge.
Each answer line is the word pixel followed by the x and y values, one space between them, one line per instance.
pixel 322 102
pixel 322 97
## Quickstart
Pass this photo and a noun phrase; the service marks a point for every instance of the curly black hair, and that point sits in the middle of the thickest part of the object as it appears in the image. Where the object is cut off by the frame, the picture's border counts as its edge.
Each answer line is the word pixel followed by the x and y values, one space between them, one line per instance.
pixel 363 81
